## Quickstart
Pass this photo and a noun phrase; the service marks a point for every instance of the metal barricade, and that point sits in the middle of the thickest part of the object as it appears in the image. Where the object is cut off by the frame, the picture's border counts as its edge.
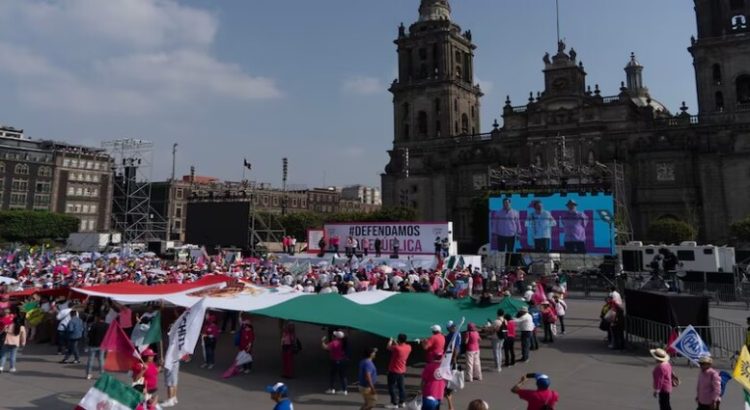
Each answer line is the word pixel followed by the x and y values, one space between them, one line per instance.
pixel 723 338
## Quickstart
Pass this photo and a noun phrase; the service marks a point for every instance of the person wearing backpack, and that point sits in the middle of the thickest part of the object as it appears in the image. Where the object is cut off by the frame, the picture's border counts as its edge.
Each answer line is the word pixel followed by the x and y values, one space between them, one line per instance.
pixel 499 332
pixel 543 398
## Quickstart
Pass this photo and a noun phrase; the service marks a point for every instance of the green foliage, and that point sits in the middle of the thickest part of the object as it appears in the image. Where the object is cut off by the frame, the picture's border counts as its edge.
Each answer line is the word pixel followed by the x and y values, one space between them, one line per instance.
pixel 741 230
pixel 670 231
pixel 35 226
pixel 297 224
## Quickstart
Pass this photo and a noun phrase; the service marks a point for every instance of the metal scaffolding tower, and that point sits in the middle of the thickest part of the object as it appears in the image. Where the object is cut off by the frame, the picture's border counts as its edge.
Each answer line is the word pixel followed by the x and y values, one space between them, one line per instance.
pixel 132 214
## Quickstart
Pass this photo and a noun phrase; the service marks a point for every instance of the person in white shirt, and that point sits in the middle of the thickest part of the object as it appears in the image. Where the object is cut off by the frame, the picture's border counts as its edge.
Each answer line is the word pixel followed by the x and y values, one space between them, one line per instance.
pixel 525 324
pixel 560 308
pixel 615 296
pixel 528 294
pixel 63 318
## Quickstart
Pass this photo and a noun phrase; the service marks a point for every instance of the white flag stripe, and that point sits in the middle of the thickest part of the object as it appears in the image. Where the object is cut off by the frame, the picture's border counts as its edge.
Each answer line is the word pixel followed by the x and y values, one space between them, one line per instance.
pixel 96 399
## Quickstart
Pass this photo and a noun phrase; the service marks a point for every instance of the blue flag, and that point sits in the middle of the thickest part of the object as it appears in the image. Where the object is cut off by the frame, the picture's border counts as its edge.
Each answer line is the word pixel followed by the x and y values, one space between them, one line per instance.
pixel 690 345
pixel 725 378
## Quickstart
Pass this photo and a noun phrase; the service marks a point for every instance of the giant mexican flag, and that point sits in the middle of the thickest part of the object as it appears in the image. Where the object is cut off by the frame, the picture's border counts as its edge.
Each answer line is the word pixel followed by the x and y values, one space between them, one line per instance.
pixel 111 394
pixel 379 312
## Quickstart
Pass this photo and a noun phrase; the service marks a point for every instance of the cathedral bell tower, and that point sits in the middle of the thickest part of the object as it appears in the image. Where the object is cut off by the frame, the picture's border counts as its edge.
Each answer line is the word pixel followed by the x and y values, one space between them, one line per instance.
pixel 721 56
pixel 434 95
pixel 434 98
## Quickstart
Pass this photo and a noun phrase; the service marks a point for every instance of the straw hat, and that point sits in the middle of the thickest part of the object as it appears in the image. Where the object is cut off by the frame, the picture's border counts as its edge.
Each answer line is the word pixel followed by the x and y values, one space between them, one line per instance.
pixel 705 360
pixel 659 354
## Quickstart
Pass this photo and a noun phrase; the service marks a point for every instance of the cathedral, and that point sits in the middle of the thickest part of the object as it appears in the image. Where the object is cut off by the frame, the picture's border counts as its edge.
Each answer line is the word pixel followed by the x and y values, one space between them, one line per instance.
pixel 694 168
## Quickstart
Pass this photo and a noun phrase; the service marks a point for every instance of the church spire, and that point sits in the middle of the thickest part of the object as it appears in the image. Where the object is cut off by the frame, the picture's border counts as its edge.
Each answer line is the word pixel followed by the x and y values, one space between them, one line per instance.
pixel 430 10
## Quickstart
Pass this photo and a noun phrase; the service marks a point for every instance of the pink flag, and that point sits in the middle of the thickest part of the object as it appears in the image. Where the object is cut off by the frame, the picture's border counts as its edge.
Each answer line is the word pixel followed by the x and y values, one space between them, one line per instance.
pixel 119 349
pixel 539 295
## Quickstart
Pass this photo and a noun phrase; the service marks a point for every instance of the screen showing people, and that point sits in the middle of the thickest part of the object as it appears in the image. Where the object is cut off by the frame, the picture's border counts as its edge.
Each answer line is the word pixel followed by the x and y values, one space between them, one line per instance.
pixel 570 223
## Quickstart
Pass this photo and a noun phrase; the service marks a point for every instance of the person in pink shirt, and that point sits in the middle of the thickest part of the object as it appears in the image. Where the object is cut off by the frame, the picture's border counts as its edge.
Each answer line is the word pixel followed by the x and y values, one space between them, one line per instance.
pixel 400 351
pixel 663 377
pixel 337 354
pixel 708 391
pixel 473 364
pixel 210 336
pixel 509 352
pixel 245 339
pixel 435 344
pixel 433 387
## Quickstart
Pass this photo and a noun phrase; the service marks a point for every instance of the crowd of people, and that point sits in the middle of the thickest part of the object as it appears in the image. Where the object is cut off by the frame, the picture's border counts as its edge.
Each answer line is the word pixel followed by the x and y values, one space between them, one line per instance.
pixel 27 317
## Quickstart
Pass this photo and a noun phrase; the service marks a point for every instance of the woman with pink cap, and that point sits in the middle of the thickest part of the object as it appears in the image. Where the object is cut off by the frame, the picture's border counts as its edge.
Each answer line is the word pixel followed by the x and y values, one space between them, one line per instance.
pixel 210 336
pixel 473 364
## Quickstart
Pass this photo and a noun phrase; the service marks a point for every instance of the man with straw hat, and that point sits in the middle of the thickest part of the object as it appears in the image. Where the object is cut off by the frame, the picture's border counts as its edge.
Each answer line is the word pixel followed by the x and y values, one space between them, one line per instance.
pixel 664 378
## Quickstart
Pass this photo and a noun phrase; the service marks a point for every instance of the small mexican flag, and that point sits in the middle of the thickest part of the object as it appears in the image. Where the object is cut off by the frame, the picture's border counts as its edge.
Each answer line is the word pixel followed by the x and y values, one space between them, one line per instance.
pixel 111 394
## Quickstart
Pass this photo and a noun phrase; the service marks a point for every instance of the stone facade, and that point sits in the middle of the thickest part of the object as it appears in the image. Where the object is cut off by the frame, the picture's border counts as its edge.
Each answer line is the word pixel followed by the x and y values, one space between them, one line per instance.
pixel 691 167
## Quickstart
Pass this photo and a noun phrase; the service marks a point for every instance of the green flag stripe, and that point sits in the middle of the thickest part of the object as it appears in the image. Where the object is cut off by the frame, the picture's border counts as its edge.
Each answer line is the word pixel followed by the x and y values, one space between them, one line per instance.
pixel 154 331
pixel 118 391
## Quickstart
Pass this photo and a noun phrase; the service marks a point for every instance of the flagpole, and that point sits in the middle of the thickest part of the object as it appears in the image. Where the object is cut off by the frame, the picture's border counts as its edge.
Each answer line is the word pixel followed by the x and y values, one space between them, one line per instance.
pixel 557 8
pixel 161 337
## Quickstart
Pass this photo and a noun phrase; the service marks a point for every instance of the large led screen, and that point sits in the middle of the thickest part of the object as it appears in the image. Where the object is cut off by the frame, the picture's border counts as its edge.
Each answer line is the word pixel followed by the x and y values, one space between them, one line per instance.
pixel 581 223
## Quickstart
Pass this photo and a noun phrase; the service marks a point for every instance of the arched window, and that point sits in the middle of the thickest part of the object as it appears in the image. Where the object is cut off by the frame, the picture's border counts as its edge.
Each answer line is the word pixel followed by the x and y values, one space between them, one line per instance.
pixel 591 159
pixel 22 169
pixel 44 171
pixel 716 73
pixel 743 89
pixel 2 167
pixel 719 99
pixel 538 160
pixel 459 72
pixel 422 123
pixel 456 127
pixel 465 124
pixel 739 22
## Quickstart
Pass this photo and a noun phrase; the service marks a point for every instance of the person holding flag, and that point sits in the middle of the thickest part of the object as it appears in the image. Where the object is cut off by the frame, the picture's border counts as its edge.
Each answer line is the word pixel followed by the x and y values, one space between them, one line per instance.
pixel 741 374
pixel 95 337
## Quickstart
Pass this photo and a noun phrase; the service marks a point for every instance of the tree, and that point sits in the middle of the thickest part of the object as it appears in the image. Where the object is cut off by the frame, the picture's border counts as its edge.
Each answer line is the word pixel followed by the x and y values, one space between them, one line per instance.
pixel 741 230
pixel 35 226
pixel 670 231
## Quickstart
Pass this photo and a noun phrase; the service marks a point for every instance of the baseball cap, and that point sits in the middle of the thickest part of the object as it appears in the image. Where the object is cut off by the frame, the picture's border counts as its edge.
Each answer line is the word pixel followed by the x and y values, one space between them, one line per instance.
pixel 449 325
pixel 542 381
pixel 436 328
pixel 278 388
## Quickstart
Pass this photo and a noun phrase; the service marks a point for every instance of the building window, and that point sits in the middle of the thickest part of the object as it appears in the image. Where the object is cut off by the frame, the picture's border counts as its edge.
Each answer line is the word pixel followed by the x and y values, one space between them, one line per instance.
pixel 44 172
pixel 719 97
pixel 71 190
pixel 406 131
pixel 92 208
pixel 85 208
pixel 18 199
pixel 473 112
pixel 178 212
pixel 716 73
pixel 66 162
pixel 22 169
pixel 422 122
pixel 178 193
pixel 92 225
pixel 455 105
pixel 438 128
pixel 43 188
pixel 437 106
pixel 20 185
pixel 69 209
pixel 41 201
pixel 2 167
pixel 665 172
pixel 743 89
pixel 79 191
pixel 465 124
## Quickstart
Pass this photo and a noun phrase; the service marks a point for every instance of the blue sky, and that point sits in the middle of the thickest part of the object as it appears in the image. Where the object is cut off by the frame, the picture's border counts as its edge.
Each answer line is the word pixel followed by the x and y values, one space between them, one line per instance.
pixel 228 79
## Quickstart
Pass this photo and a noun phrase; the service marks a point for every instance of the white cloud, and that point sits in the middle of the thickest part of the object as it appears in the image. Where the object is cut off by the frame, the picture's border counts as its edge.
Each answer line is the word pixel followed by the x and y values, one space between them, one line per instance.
pixel 149 56
pixel 362 85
